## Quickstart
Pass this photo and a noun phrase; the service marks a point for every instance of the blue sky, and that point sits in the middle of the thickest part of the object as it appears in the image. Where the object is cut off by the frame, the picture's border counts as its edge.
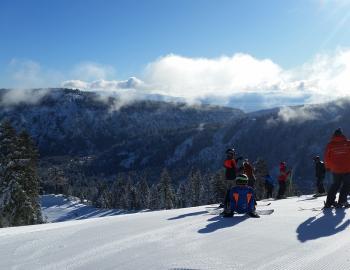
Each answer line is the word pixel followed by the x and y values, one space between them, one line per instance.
pixel 54 41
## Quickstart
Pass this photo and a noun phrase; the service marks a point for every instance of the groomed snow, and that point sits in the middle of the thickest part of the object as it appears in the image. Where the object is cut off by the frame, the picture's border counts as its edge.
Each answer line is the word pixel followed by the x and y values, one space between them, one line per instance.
pixel 190 238
pixel 57 208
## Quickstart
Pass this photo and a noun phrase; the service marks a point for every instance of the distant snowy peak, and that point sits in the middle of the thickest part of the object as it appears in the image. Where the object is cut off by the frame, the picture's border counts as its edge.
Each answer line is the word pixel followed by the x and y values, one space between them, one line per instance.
pixel 106 85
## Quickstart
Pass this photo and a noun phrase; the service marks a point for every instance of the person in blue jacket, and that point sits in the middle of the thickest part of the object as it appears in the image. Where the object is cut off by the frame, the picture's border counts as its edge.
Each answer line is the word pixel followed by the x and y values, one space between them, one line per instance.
pixel 269 185
pixel 242 198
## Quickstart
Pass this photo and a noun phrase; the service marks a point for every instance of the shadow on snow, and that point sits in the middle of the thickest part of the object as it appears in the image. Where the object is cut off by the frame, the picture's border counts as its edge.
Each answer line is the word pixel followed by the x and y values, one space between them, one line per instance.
pixel 328 224
pixel 219 222
pixel 188 215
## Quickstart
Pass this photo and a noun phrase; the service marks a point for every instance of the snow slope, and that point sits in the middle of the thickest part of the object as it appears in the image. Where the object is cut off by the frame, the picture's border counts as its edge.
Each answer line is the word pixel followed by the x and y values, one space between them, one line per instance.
pixel 190 238
pixel 57 208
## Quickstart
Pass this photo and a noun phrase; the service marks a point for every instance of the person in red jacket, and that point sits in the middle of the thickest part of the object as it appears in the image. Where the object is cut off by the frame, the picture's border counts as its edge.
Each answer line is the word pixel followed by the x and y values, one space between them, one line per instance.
pixel 282 180
pixel 231 169
pixel 248 170
pixel 337 160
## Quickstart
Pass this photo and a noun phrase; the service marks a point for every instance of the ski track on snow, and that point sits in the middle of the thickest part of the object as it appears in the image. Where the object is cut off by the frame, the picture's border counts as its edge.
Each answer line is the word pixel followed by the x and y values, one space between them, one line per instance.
pixel 189 238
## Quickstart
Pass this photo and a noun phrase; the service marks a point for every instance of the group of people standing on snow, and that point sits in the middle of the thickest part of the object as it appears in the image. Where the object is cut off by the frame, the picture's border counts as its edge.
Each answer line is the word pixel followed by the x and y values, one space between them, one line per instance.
pixel 232 170
pixel 337 161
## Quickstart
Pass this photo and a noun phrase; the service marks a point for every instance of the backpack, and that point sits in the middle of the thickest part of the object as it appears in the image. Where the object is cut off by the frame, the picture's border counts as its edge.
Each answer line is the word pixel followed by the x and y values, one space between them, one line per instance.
pixel 242 199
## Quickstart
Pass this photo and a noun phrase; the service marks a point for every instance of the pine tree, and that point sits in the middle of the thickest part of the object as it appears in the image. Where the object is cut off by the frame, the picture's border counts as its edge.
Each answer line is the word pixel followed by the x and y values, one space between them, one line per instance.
pixel 154 203
pixel 218 187
pixel 134 203
pixel 117 190
pixel 143 194
pixel 103 199
pixel 30 180
pixel 19 183
pixel 58 180
pixel 181 196
pixel 195 188
pixel 209 191
pixel 261 170
pixel 166 191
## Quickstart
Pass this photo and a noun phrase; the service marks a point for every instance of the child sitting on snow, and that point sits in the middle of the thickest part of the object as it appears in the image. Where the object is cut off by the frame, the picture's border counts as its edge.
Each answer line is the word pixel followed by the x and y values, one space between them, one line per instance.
pixel 242 199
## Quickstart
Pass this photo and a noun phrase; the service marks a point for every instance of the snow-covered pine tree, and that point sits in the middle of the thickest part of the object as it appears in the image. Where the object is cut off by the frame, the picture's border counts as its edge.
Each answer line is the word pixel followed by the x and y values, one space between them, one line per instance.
pixel 261 170
pixel 209 189
pixel 117 190
pixel 181 196
pixel 143 194
pixel 219 187
pixel 30 179
pixel 194 188
pixel 166 191
pixel 103 199
pixel 134 204
pixel 19 188
pixel 58 180
pixel 154 203
pixel 126 198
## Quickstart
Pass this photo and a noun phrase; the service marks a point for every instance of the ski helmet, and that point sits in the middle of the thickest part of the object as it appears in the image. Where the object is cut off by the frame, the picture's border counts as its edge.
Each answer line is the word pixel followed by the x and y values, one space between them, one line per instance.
pixel 242 179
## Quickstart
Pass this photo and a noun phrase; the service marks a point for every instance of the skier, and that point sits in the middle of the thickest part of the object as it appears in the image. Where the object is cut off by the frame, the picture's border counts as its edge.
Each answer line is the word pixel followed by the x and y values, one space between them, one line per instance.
pixel 242 198
pixel 269 185
pixel 282 180
pixel 337 160
pixel 320 172
pixel 231 168
pixel 248 170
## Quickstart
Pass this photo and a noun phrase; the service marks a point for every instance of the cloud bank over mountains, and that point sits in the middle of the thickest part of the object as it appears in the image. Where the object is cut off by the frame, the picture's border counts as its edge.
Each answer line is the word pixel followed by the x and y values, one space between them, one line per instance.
pixel 226 80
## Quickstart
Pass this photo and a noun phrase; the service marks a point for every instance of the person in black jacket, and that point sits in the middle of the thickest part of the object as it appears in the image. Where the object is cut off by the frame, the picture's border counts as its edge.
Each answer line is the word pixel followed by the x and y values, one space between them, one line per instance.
pixel 320 172
pixel 231 169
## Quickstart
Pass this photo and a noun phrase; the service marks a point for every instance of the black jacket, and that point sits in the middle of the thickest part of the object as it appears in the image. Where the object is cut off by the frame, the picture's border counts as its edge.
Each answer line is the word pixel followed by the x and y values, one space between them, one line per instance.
pixel 320 169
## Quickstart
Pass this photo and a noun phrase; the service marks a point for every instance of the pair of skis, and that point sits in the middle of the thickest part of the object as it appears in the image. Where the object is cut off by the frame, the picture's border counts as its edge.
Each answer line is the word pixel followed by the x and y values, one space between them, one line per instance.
pixel 346 206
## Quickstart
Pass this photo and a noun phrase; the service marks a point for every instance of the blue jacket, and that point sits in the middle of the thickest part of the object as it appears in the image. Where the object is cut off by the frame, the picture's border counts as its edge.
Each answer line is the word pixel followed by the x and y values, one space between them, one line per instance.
pixel 269 180
pixel 242 199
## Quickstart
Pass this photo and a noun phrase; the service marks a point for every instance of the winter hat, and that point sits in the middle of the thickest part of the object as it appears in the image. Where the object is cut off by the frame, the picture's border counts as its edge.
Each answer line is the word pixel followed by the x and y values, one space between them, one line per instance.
pixel 338 132
pixel 241 179
pixel 230 151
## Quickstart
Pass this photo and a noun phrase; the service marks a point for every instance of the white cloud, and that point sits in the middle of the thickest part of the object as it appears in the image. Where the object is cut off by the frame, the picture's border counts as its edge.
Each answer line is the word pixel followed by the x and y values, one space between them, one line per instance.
pixel 131 83
pixel 17 96
pixel 90 71
pixel 324 77
pixel 30 74
pixel 224 76
pixel 240 80
pixel 296 114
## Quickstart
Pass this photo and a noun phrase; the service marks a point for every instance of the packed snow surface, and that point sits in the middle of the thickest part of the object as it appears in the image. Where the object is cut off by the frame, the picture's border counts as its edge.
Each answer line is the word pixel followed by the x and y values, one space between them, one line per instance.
pixel 57 208
pixel 295 236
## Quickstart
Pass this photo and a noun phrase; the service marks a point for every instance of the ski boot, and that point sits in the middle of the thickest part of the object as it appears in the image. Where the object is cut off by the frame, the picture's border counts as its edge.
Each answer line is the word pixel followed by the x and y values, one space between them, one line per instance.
pixel 253 214
pixel 328 205
pixel 343 205
pixel 227 213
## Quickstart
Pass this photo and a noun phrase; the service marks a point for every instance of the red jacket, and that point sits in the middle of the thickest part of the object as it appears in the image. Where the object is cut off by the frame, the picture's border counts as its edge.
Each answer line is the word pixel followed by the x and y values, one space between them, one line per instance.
pixel 337 155
pixel 248 170
pixel 283 173
pixel 231 167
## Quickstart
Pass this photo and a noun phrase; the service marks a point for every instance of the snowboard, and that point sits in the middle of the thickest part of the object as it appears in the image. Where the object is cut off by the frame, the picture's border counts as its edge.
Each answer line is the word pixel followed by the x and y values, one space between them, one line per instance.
pixel 322 208
pixel 311 209
pixel 319 195
pixel 264 204
pixel 259 212
pixel 264 212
